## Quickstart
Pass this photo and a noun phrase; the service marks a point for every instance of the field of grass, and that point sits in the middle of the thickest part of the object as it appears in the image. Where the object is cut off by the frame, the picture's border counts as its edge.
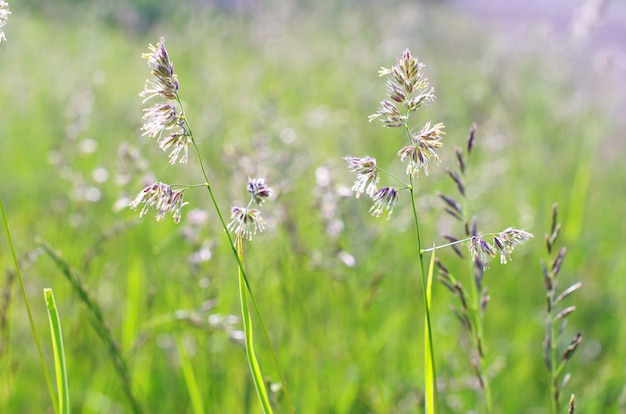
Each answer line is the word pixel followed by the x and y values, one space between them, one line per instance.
pixel 284 92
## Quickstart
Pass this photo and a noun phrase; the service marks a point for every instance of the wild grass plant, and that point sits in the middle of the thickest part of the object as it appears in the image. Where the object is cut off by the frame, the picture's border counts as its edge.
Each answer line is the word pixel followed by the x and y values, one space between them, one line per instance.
pixel 168 123
pixel 407 91
pixel 348 331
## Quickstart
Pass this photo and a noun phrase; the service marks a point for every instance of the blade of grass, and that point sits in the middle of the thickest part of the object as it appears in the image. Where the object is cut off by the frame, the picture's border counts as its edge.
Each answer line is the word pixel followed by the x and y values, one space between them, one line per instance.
pixel 429 362
pixel 257 377
pixel 96 318
pixel 60 367
pixel 190 379
pixel 46 374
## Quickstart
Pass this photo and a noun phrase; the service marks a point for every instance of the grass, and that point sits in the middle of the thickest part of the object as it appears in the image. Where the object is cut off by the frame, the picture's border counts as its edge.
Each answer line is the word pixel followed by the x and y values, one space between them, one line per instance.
pixel 347 337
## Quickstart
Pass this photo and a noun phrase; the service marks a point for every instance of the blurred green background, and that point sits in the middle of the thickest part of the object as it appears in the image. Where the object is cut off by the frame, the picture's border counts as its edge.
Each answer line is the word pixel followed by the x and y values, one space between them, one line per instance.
pixel 283 90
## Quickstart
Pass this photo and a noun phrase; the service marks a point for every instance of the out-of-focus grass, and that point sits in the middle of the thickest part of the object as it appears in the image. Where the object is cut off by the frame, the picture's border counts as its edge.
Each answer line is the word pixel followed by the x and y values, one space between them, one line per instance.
pixel 280 92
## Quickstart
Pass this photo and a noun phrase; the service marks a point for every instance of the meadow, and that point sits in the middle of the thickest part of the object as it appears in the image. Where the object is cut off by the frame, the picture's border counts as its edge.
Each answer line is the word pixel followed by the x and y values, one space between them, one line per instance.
pixel 284 91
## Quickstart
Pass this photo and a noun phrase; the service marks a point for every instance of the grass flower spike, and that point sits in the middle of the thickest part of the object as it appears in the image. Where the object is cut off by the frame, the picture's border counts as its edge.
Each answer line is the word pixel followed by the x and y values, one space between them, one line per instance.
pixel 4 15
pixel 407 91
pixel 246 221
pixel 384 199
pixel 163 198
pixel 165 116
pixel 366 175
pixel 503 244
pixel 422 149
pixel 166 121
pixel 259 190
pixel 165 82
pixel 406 87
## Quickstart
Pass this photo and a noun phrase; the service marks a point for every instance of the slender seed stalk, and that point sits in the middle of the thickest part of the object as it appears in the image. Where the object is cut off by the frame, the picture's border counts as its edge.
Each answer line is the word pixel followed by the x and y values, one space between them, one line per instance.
pixel 478 338
pixel 257 377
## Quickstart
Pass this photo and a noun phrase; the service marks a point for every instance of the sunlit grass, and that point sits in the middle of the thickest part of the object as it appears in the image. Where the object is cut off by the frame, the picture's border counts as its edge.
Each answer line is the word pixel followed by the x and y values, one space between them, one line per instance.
pixel 344 335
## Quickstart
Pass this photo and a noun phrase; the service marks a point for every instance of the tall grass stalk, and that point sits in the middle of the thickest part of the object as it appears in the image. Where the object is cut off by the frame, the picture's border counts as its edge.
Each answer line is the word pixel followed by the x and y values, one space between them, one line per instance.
pixel 432 397
pixel 556 319
pixel 244 221
pixel 471 313
pixel 407 91
pixel 60 366
pixel 18 272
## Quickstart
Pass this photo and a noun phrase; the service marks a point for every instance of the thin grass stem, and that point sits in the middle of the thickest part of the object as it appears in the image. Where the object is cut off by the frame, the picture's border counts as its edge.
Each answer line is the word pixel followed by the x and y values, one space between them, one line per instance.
pixel 18 272
pixel 257 377
pixel 432 400
pixel 243 275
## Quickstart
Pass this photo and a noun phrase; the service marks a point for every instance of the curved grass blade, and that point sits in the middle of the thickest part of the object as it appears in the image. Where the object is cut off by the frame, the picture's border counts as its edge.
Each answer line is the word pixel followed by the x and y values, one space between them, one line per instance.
pixel 190 379
pixel 429 362
pixel 257 377
pixel 60 367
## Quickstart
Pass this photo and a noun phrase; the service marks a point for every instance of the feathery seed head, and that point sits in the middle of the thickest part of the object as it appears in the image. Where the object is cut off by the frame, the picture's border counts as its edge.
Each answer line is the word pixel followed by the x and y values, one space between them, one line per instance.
pixel 481 251
pixel 366 175
pixel 245 222
pixel 4 15
pixel 165 82
pixel 163 198
pixel 423 149
pixel 259 190
pixel 384 199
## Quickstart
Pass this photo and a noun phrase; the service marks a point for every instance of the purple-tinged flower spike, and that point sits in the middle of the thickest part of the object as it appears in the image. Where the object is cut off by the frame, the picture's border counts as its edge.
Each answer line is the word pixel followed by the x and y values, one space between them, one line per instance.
pixel 366 175
pixel 180 141
pixel 507 240
pixel 481 251
pixel 423 149
pixel 259 190
pixel 4 15
pixel 161 117
pixel 391 116
pixel 384 199
pixel 407 87
pixel 163 198
pixel 158 118
pixel 165 82
pixel 245 222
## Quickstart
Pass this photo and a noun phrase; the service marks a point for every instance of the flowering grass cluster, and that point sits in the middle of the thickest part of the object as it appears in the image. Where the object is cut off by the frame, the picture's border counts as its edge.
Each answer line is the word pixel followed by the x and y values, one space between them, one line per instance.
pixel 246 221
pixel 163 198
pixel 407 91
pixel 166 121
pixel 503 244
pixel 164 116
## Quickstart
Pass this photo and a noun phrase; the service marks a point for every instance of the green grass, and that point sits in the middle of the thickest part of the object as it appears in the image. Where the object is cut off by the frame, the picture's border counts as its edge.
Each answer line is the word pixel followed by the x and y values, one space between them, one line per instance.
pixel 349 340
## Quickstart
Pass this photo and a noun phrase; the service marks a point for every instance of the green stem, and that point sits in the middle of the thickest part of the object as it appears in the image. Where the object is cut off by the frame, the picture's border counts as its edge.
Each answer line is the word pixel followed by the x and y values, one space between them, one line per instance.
pixel 479 343
pixel 257 377
pixel 430 357
pixel 58 352
pixel 554 370
pixel 242 271
pixel 18 272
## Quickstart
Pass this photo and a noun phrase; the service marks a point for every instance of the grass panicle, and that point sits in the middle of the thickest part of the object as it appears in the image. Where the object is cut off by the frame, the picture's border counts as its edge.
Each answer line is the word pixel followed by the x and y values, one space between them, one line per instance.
pixel 472 304
pixel 407 91
pixel 167 122
pixel 555 357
